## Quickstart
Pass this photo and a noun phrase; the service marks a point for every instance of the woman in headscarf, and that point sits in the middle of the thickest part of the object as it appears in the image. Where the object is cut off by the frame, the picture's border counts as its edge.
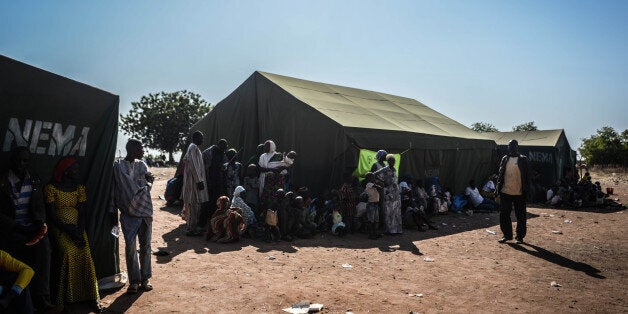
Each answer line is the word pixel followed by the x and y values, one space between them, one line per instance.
pixel 270 178
pixel 392 197
pixel 247 213
pixel 65 203
pixel 380 160
pixel 216 229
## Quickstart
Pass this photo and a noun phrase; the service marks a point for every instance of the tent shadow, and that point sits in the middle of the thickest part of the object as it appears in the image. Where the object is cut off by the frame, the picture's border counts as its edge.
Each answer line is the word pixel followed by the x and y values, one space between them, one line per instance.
pixel 558 259
pixel 123 303
pixel 177 243
pixel 613 207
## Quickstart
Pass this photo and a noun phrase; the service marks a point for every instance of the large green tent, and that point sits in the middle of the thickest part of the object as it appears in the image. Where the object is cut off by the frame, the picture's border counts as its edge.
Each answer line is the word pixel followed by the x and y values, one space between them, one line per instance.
pixel 55 116
pixel 548 151
pixel 329 124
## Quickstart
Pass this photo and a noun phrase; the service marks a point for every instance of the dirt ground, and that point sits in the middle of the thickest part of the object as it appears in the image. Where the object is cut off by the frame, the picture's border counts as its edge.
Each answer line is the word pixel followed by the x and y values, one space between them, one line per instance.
pixel 470 271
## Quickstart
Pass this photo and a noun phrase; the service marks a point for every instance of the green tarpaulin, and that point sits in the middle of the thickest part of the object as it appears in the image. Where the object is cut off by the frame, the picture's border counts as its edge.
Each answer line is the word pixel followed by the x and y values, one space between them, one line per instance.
pixel 54 117
pixel 366 161
pixel 329 124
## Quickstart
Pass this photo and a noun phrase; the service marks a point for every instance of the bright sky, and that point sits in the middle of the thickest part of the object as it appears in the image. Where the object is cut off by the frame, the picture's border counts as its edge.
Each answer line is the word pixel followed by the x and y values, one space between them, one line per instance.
pixel 561 64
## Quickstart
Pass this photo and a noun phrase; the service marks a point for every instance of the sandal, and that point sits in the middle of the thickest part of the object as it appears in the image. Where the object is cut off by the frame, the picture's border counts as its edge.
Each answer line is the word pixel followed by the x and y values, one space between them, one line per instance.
pixel 133 288
pixel 146 286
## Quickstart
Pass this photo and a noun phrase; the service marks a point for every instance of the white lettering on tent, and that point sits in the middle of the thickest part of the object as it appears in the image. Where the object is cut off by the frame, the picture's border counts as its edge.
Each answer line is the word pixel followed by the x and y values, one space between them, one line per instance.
pixel 44 137
pixel 540 157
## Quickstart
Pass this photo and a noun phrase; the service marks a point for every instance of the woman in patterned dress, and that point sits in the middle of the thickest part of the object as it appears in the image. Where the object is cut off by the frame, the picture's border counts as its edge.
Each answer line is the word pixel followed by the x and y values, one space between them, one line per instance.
pixel 65 203
pixel 392 197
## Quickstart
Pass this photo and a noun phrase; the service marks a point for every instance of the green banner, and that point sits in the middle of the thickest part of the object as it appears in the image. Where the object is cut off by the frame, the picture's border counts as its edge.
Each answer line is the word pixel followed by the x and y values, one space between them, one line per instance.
pixel 367 159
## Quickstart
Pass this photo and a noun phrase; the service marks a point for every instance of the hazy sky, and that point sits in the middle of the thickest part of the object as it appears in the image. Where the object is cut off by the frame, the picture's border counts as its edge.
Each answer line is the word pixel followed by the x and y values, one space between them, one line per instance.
pixel 561 64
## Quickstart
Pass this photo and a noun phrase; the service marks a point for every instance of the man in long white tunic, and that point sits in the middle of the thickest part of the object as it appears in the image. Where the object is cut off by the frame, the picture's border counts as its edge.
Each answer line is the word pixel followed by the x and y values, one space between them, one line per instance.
pixel 194 192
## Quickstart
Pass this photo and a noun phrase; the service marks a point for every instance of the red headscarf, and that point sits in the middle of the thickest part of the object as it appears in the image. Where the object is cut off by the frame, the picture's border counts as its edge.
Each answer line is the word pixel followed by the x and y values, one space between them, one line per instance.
pixel 62 166
pixel 222 202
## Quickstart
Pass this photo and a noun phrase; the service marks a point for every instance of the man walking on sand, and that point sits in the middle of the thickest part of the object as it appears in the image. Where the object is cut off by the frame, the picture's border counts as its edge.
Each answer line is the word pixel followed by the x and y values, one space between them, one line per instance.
pixel 131 195
pixel 512 187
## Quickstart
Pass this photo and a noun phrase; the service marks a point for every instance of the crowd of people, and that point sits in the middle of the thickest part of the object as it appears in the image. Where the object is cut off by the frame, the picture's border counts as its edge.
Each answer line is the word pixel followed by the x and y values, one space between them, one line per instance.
pixel 43 242
pixel 225 200
pixel 45 260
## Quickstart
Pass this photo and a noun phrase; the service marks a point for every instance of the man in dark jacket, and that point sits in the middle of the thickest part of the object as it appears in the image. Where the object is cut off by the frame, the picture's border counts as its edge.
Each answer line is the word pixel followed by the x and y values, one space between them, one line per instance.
pixel 512 186
pixel 23 223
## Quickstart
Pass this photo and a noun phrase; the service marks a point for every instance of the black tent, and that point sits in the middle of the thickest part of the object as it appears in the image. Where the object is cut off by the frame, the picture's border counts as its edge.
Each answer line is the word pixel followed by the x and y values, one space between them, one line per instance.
pixel 548 151
pixel 329 124
pixel 55 116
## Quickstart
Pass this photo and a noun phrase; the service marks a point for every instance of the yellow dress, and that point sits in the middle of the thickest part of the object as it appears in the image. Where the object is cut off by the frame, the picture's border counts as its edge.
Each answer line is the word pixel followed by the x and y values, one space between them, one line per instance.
pixel 76 273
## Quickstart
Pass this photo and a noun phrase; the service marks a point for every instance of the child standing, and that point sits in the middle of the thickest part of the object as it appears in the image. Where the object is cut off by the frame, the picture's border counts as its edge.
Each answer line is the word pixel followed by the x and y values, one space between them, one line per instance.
pixel 231 170
pixel 372 207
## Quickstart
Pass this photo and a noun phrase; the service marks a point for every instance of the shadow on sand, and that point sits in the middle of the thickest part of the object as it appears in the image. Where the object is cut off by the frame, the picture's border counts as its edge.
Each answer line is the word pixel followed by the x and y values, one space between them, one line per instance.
pixel 557 259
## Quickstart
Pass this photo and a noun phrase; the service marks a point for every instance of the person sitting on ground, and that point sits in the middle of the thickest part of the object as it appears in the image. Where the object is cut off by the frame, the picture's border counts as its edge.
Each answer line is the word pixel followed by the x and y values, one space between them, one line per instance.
pixel 412 213
pixel 446 197
pixel 477 201
pixel 372 208
pixel 15 276
pixel 216 229
pixel 232 170
pixel 338 227
pixel 74 272
pixel 553 197
pixel 420 195
pixel 250 183
pixel 347 203
pixel 233 226
pixel 250 222
pixel 304 192
pixel 306 228
pixel 488 190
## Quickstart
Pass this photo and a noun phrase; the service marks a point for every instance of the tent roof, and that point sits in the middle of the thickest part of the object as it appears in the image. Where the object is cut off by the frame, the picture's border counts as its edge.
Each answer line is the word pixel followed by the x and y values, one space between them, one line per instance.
pixel 358 108
pixel 527 138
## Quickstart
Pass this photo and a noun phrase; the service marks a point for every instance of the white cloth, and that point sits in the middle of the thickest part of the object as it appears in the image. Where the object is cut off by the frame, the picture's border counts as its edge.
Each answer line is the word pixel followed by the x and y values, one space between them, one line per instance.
pixel 474 196
pixel 194 173
pixel 264 162
pixel 489 186
pixel 550 194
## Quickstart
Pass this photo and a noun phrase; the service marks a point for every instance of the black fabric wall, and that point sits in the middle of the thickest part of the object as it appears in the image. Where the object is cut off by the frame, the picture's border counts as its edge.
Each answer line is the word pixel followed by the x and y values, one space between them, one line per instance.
pixel 55 116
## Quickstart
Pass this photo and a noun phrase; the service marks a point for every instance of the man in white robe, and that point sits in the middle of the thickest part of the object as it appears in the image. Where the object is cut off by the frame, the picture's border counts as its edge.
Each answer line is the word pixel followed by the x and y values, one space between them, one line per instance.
pixel 194 192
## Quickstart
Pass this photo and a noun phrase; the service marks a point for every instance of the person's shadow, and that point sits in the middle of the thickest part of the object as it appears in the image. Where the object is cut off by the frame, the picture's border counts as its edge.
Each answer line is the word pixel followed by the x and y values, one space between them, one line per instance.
pixel 558 259
pixel 122 303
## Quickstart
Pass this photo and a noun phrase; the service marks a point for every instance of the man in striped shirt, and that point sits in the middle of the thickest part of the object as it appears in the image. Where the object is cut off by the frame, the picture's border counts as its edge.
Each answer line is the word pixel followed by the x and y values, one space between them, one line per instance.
pixel 22 219
pixel 130 194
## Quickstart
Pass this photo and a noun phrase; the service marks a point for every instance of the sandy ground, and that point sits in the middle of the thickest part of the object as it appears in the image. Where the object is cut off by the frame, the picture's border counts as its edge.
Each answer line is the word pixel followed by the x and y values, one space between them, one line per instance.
pixel 470 271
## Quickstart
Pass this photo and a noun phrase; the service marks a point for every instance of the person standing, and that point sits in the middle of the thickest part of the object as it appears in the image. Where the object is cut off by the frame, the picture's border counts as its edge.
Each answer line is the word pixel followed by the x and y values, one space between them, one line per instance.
pixel 512 185
pixel 74 272
pixel 194 192
pixel 213 159
pixel 23 224
pixel 131 195
pixel 392 197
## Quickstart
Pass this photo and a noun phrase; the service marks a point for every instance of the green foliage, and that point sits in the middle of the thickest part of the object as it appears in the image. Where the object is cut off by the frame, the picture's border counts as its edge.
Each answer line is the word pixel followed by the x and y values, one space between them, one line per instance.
pixel 605 147
pixel 483 127
pixel 162 121
pixel 528 126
